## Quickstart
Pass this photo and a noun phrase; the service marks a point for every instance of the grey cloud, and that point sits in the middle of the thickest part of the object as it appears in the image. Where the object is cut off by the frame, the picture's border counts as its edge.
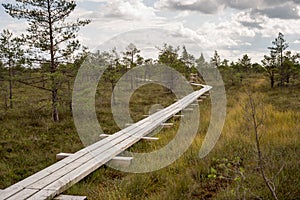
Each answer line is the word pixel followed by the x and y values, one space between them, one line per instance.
pixel 270 8
pixel 251 24
pixel 286 11
pixel 207 7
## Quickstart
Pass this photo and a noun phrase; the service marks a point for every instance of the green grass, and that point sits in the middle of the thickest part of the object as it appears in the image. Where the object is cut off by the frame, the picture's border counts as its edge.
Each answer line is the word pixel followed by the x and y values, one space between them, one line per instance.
pixel 29 142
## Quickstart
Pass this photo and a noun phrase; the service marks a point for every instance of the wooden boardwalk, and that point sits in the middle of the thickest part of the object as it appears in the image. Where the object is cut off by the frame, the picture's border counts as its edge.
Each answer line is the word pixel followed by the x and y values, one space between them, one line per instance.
pixel 55 179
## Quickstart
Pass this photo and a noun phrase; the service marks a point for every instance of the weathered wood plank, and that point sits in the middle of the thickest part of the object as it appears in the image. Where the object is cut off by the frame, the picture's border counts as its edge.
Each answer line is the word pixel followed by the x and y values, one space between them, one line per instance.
pixel 69 197
pixel 143 138
pixel 23 194
pixel 54 180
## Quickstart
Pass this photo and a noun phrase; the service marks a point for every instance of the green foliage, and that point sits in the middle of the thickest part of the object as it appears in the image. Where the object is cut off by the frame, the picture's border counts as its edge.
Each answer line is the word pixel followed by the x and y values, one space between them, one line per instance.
pixel 215 61
pixel 132 58
pixel 11 53
pixel 52 39
pixel 227 169
pixel 281 64
pixel 169 56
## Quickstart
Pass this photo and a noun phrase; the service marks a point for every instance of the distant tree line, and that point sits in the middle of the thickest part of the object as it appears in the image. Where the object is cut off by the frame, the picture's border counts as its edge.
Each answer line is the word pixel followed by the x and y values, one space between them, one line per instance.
pixel 48 56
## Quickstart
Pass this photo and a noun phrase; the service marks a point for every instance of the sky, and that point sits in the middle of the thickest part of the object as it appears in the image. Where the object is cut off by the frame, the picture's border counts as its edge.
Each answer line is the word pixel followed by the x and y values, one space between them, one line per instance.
pixel 232 27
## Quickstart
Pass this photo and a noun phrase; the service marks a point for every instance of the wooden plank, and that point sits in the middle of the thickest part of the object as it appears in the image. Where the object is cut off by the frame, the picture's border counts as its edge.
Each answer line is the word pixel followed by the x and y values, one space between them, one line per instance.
pixel 23 194
pixel 14 189
pixel 123 161
pixel 143 138
pixel 4 194
pixel 69 197
pixel 76 166
pixel 43 195
pixel 54 177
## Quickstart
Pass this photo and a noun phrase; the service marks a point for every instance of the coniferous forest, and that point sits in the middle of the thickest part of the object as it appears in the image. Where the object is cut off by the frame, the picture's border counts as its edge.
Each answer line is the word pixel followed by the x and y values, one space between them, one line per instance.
pixel 256 157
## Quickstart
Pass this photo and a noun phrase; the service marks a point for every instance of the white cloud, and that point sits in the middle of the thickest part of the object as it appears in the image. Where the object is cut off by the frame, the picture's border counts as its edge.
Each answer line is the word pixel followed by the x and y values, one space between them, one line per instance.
pixel 296 42
pixel 226 33
pixel 129 10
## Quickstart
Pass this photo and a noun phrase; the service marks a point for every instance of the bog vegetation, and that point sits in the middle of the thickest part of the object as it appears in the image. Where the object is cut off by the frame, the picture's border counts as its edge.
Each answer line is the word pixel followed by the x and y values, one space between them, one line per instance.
pixel 36 114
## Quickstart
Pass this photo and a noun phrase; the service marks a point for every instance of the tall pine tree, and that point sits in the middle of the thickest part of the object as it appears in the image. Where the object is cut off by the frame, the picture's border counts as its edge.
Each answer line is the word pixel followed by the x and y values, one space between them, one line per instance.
pixel 278 48
pixel 51 37
pixel 11 55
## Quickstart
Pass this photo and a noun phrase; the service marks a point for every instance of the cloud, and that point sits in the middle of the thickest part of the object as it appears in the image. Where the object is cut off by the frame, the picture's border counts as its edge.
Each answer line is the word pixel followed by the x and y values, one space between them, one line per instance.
pixel 226 34
pixel 107 10
pixel 128 10
pixel 182 32
pixel 203 6
pixel 296 42
pixel 247 19
pixel 285 11
pixel 271 8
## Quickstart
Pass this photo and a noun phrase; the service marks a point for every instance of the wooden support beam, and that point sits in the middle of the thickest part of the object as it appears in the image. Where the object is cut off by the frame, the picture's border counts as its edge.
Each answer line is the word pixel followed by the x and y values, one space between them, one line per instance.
pixel 178 115
pixel 203 97
pixel 121 161
pixel 102 136
pixel 188 109
pixel 150 138
pixel 199 100
pixel 118 160
pixel 167 124
pixel 61 156
pixel 69 197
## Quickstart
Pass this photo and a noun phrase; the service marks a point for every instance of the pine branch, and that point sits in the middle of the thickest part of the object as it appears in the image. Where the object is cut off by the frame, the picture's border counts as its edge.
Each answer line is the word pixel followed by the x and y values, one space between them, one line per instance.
pixel 29 84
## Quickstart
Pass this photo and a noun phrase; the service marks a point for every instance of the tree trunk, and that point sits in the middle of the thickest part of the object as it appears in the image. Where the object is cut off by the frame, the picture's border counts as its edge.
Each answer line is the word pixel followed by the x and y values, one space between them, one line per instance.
pixel 272 81
pixel 287 79
pixel 10 71
pixel 5 100
pixel 53 67
pixel 10 88
pixel 54 105
pixel 70 95
pixel 113 93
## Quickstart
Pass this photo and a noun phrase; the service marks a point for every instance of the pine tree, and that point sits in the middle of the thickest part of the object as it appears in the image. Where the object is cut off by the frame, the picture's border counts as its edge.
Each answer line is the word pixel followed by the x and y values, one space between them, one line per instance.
pixel 52 39
pixel 270 65
pixel 216 60
pixel 279 46
pixel 11 55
